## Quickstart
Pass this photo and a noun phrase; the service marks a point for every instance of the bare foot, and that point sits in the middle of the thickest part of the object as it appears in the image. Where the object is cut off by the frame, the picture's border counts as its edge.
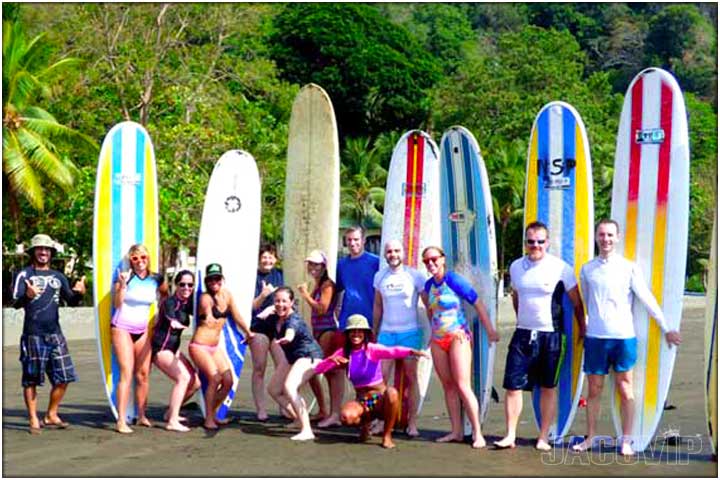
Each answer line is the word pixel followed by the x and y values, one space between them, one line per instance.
pixel 303 436
pixel 210 425
pixel 507 442
pixel 176 427
pixel 583 446
pixel 262 416
pixel 166 417
pixel 144 422
pixel 542 445
pixel 479 443
pixel 450 437
pixel 123 428
pixel 54 421
pixel 626 449
pixel 35 426
pixel 388 443
pixel 331 421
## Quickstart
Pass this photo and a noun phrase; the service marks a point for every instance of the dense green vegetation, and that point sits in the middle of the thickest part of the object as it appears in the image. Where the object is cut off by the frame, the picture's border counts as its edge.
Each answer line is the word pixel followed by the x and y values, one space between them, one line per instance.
pixel 204 78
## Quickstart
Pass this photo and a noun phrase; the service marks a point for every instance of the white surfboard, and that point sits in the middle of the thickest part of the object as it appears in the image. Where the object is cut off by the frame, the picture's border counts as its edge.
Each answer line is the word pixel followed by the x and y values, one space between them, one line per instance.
pixel 230 236
pixel 650 202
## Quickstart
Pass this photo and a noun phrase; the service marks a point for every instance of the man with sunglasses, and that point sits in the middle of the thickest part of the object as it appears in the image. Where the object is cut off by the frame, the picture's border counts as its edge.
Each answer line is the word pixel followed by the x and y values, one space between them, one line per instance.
pixel 43 348
pixel 610 283
pixel 534 352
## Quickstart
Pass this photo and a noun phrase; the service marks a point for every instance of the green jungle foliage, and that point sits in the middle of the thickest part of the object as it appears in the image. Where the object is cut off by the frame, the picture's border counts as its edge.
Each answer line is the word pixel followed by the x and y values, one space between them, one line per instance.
pixel 206 78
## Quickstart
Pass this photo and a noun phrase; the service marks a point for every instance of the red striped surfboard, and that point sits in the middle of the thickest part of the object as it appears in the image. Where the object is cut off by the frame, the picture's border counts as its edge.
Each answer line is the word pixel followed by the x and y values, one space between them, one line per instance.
pixel 650 202
pixel 412 215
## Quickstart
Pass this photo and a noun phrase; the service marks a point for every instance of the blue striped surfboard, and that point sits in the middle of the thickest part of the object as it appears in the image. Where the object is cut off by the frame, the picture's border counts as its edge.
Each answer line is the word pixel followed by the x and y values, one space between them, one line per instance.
pixel 468 238
pixel 559 192
pixel 125 213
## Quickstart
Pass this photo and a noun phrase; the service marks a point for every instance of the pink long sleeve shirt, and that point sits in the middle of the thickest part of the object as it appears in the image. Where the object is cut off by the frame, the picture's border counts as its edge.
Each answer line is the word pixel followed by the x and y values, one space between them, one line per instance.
pixel 364 367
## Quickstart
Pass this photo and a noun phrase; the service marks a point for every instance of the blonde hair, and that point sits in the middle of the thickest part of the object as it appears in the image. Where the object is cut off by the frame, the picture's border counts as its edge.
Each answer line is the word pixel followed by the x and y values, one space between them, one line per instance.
pixel 141 249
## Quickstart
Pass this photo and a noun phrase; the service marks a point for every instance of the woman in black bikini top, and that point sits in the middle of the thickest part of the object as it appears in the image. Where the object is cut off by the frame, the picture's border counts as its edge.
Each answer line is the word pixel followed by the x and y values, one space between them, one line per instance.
pixel 203 348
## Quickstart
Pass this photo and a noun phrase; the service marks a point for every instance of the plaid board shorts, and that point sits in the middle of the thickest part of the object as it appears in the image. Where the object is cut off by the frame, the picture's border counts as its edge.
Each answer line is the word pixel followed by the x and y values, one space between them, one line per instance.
pixel 45 354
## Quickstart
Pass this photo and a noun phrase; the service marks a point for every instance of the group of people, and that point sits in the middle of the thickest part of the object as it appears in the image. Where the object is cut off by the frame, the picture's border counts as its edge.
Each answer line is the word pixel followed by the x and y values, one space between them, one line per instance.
pixel 362 323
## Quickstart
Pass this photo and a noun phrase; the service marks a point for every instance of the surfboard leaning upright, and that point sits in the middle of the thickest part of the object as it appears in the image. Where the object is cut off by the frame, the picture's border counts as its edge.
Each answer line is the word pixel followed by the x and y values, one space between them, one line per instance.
pixel 559 193
pixel 125 213
pixel 312 187
pixel 230 235
pixel 650 202
pixel 468 238
pixel 711 338
pixel 412 215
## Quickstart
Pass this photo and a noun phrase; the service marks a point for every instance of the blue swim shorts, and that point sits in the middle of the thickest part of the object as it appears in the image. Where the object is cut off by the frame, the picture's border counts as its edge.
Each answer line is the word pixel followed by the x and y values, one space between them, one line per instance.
pixel 42 355
pixel 533 358
pixel 603 353
pixel 409 339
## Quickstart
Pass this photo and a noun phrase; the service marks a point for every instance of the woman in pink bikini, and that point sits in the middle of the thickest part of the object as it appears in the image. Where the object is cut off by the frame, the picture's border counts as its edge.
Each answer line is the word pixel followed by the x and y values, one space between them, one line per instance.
pixel 374 398
pixel 213 309
pixel 135 292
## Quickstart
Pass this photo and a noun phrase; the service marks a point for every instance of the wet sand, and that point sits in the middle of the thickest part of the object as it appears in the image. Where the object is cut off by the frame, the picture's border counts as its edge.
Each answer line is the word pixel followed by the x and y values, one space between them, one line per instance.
pixel 247 447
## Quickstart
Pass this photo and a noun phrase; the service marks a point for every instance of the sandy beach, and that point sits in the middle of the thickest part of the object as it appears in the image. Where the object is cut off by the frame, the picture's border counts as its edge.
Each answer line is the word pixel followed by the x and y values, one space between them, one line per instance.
pixel 248 447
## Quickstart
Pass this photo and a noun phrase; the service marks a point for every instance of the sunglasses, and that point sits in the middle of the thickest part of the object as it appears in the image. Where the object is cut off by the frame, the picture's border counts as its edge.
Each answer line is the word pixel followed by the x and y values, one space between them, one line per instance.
pixel 135 258
pixel 185 284
pixel 434 260
pixel 535 242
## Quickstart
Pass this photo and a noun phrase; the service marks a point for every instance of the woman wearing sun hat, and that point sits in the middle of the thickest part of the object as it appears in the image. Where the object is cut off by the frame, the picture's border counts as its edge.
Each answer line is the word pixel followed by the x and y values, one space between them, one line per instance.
pixel 364 369
pixel 214 307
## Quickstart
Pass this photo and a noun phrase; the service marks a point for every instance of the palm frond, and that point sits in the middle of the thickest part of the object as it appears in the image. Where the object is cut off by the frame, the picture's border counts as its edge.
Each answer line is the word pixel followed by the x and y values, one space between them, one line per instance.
pixel 51 129
pixel 20 175
pixel 43 158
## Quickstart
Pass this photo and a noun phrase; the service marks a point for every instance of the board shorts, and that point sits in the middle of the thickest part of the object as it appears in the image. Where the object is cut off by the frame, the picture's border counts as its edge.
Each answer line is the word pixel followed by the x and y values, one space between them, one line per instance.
pixel 46 354
pixel 370 400
pixel 603 353
pixel 446 341
pixel 533 358
pixel 410 339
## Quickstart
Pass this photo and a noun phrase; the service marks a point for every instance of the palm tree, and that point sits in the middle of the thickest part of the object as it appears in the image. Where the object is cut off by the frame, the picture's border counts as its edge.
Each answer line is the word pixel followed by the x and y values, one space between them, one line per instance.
pixel 29 131
pixel 507 183
pixel 363 183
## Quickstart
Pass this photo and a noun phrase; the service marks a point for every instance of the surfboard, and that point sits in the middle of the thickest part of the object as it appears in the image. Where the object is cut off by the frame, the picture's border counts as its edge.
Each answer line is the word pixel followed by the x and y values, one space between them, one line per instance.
pixel 125 213
pixel 312 191
pixel 651 186
pixel 559 193
pixel 711 337
pixel 230 235
pixel 312 187
pixel 468 238
pixel 412 215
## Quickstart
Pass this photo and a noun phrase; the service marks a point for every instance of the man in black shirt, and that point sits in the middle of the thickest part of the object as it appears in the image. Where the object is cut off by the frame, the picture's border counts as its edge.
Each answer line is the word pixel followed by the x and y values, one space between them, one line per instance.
pixel 43 349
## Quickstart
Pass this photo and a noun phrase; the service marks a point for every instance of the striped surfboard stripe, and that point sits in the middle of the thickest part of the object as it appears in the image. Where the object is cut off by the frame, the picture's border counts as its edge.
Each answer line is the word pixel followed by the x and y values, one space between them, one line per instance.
pixel 559 192
pixel 651 185
pixel 126 213
pixel 468 238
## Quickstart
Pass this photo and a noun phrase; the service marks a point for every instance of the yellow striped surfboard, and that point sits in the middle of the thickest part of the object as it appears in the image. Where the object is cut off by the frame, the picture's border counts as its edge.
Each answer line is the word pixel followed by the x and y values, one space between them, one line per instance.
pixel 126 213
